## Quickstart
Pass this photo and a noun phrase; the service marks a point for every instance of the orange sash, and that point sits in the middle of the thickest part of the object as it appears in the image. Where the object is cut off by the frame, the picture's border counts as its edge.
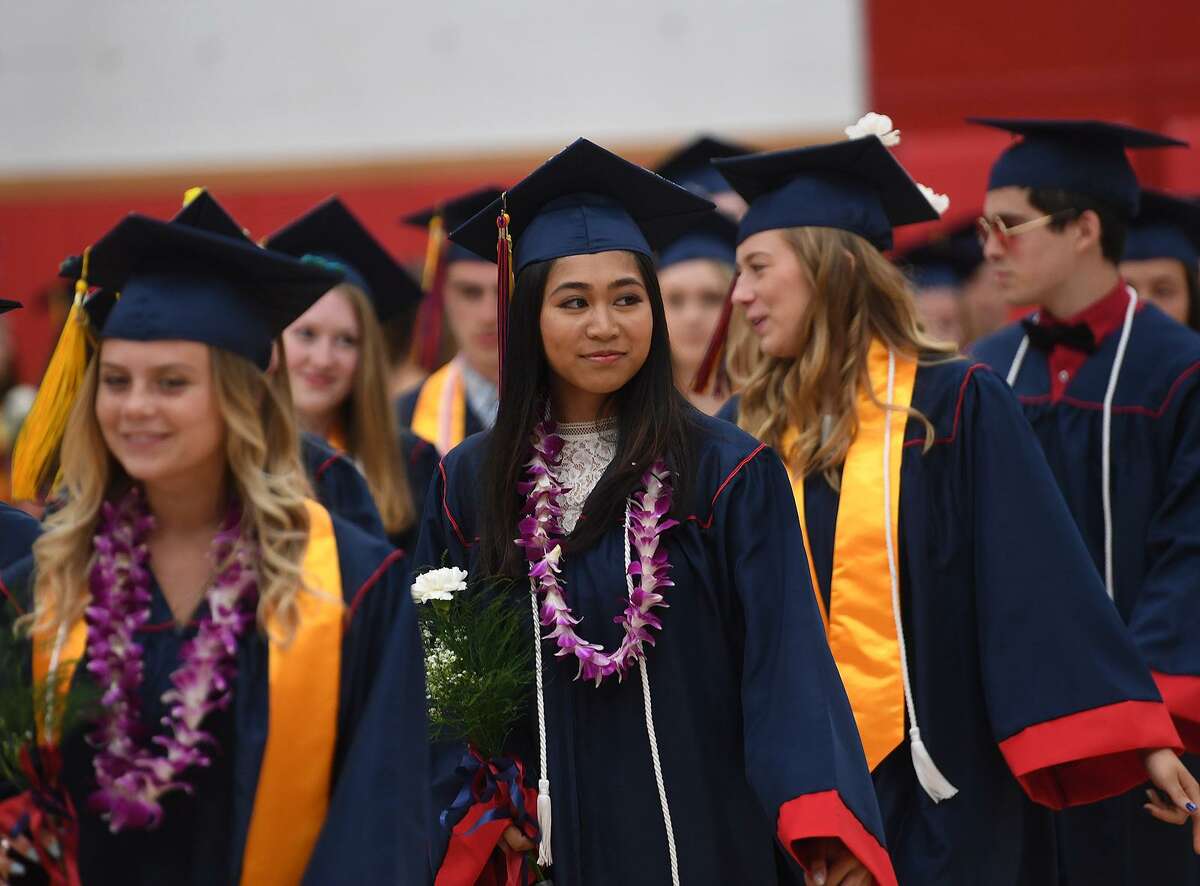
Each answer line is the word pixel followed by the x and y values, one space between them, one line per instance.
pixel 440 415
pixel 296 774
pixel 860 621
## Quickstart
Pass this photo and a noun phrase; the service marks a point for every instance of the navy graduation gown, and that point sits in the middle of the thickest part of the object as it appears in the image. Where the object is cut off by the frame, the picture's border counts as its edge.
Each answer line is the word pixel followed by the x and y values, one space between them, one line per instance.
pixel 375 827
pixel 1156 549
pixel 421 460
pixel 1019 665
pixel 339 486
pixel 18 532
pixel 757 741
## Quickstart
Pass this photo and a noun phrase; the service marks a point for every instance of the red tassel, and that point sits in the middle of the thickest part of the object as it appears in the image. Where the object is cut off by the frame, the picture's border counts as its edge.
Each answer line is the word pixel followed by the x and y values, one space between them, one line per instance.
pixel 504 283
pixel 714 358
pixel 430 314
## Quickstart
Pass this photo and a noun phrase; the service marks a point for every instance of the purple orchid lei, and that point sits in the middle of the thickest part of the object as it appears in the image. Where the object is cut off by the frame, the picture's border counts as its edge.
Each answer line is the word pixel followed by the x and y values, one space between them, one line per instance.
pixel 541 525
pixel 131 776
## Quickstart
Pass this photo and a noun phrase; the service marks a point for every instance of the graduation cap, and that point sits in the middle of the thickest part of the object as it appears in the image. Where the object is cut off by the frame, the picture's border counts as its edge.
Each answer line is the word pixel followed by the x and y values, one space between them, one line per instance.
pixel 581 201
pixel 7 304
pixel 450 214
pixel 947 259
pixel 175 282
pixel 854 185
pixel 690 166
pixel 1077 156
pixel 440 253
pixel 330 232
pixel 201 210
pixel 713 236
pixel 1165 227
pixel 584 200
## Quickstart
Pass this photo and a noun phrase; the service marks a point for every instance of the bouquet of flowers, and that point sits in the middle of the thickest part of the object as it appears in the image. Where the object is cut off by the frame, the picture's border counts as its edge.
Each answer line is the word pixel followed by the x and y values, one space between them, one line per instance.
pixel 478 677
pixel 37 818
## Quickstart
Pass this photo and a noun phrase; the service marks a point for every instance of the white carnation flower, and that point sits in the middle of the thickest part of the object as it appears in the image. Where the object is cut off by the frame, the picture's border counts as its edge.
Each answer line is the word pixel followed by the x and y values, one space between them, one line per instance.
pixel 939 202
pixel 875 124
pixel 439 584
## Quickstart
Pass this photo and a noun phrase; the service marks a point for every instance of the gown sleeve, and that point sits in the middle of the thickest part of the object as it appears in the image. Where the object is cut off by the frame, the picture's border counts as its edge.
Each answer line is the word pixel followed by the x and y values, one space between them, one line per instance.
pixel 804 758
pixel 1071 703
pixel 443 536
pixel 421 460
pixel 1165 621
pixel 343 490
pixel 376 826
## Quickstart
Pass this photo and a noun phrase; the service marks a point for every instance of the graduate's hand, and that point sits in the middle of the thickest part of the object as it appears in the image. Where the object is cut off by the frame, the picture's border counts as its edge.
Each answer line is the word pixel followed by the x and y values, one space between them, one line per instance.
pixel 517 841
pixel 1171 777
pixel 828 862
pixel 17 857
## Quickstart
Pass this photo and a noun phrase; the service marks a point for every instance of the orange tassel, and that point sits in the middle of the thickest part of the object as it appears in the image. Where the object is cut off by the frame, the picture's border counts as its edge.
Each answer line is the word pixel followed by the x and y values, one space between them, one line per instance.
pixel 713 363
pixel 35 454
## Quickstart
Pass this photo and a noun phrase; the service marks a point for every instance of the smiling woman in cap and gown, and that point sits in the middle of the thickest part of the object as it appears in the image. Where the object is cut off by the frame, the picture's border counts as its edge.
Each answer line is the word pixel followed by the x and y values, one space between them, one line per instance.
pixel 336 482
pixel 259 663
pixel 1111 386
pixel 336 361
pixel 951 577
pixel 709 742
pixel 461 397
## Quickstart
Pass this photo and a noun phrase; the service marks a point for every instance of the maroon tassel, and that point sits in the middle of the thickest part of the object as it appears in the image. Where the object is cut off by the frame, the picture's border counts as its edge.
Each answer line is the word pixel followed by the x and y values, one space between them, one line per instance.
pixel 504 285
pixel 430 317
pixel 714 358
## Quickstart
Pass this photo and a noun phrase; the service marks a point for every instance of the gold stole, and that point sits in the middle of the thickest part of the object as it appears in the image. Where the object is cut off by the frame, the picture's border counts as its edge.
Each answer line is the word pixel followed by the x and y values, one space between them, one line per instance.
pixel 440 415
pixel 294 780
pixel 860 622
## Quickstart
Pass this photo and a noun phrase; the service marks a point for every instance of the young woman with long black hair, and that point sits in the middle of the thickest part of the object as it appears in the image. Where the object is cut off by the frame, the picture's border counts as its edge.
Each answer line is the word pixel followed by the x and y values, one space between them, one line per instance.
pixel 708 742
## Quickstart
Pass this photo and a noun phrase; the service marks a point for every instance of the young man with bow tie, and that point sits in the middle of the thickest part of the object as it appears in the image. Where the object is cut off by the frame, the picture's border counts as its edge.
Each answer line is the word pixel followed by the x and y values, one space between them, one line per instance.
pixel 1111 386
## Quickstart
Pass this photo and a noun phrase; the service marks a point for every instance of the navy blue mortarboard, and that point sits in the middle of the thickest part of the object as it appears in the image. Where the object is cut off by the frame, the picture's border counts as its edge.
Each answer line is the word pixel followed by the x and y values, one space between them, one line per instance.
pixel 331 232
pixel 690 166
pixel 1077 156
pixel 7 304
pixel 584 200
pixel 200 210
pixel 1165 227
pixel 854 185
pixel 454 212
pixel 713 236
pixel 947 259
pixel 181 282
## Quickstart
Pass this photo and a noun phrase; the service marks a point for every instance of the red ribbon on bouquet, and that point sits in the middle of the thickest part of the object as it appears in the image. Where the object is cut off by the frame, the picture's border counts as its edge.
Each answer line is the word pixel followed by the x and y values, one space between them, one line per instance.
pixel 493 798
pixel 45 812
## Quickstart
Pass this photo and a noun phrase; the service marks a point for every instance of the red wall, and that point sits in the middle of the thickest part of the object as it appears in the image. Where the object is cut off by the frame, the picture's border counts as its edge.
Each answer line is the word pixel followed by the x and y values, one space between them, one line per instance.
pixel 936 62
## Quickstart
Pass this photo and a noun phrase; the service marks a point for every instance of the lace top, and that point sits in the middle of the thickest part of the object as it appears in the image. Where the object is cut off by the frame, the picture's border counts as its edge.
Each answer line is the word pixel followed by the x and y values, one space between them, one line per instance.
pixel 588 448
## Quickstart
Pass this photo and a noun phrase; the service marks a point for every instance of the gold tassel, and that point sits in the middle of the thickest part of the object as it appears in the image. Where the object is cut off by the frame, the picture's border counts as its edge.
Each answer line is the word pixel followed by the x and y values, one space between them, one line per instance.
pixel 36 451
pixel 191 194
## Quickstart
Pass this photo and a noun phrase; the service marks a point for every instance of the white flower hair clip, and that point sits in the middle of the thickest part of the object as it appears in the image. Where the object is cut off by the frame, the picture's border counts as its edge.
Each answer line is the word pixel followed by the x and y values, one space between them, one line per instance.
pixel 875 124
pixel 939 202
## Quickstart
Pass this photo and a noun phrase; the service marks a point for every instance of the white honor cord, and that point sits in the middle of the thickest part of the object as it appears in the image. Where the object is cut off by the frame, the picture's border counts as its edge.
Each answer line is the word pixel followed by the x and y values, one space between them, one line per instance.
pixel 1106 436
pixel 649 711
pixel 936 785
pixel 1105 433
pixel 545 854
